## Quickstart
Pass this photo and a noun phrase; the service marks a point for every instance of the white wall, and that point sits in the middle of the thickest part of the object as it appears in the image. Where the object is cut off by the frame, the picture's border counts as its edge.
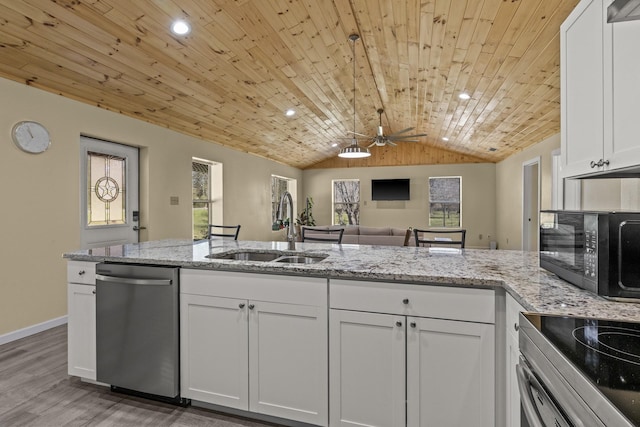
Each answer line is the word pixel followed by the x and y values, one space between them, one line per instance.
pixel 478 196
pixel 40 194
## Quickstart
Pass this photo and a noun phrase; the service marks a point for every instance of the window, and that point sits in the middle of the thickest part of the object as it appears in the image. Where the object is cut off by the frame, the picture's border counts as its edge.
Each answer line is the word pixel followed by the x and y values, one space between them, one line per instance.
pixel 202 198
pixel 445 201
pixel 107 187
pixel 346 202
pixel 206 184
pixel 280 184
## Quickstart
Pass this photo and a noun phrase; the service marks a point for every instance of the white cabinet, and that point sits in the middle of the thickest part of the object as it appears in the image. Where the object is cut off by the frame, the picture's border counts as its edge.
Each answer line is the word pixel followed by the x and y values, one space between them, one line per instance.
pixel 599 91
pixel 81 326
pixel 424 354
pixel 512 355
pixel 256 343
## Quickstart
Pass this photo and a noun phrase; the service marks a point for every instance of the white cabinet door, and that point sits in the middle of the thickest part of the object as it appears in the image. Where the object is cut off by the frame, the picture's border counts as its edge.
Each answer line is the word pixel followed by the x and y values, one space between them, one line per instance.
pixel 450 373
pixel 622 91
pixel 81 332
pixel 581 82
pixel 214 350
pixel 288 361
pixel 513 310
pixel 367 369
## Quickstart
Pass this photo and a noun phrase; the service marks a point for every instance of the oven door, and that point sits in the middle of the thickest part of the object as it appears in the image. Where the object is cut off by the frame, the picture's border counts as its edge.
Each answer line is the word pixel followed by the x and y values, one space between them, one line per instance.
pixel 538 408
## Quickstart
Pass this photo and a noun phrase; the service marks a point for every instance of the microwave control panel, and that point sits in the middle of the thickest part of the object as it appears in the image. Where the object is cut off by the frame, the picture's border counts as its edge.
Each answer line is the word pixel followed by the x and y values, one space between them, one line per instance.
pixel 591 246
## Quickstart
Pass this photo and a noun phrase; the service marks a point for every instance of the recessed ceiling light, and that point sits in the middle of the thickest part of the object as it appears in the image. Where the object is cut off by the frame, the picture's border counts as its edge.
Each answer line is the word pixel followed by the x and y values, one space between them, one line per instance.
pixel 445 138
pixel 180 27
pixel 290 112
pixel 464 95
pixel 335 144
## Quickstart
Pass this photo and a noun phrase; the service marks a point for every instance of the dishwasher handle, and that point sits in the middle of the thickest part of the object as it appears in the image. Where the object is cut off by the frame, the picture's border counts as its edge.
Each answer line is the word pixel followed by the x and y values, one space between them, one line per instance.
pixel 131 281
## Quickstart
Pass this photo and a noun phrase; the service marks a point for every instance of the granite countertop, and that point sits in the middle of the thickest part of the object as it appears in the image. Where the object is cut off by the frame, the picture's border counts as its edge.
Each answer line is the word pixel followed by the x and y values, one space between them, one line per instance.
pixel 516 271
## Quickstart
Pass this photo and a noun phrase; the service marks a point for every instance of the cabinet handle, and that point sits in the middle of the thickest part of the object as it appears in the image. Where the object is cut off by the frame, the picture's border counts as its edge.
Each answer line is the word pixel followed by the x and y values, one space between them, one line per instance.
pixel 81 273
pixel 398 323
pixel 516 327
pixel 241 305
pixel 405 301
pixel 412 324
pixel 251 306
pixel 600 163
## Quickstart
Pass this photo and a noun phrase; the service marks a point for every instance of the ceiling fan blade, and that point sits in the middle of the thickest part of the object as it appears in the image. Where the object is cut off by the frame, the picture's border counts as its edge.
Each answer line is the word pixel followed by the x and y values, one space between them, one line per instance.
pixel 406 140
pixel 356 133
pixel 372 144
pixel 397 138
pixel 402 131
pixel 391 143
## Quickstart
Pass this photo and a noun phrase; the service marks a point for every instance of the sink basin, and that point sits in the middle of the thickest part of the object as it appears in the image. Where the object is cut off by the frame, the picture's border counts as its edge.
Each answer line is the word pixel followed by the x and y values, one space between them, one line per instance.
pixel 248 256
pixel 295 259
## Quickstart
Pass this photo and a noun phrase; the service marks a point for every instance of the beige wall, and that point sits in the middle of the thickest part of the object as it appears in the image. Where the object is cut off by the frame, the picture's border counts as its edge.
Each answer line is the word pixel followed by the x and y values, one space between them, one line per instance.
pixel 478 196
pixel 509 190
pixel 40 206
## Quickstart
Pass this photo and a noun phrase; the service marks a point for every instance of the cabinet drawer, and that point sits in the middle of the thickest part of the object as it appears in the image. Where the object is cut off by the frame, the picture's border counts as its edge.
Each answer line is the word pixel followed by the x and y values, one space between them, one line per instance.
pixel 83 272
pixel 263 287
pixel 443 302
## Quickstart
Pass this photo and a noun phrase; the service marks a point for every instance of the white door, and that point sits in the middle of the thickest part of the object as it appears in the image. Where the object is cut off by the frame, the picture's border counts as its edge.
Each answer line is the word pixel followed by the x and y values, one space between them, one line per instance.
pixel 530 204
pixel 367 369
pixel 288 361
pixel 108 193
pixel 214 350
pixel 450 373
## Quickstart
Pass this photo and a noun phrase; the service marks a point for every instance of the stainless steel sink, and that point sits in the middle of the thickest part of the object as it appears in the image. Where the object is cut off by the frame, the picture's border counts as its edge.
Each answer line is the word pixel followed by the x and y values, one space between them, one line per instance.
pixel 268 256
pixel 295 259
pixel 248 256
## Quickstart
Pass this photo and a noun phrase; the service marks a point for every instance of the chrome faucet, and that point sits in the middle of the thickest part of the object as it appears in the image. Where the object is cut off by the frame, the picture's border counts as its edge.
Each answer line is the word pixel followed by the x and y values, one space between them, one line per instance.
pixel 291 231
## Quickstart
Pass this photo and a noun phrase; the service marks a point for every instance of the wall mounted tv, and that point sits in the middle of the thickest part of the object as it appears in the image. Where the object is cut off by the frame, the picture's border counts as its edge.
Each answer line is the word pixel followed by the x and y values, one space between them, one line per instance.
pixel 390 189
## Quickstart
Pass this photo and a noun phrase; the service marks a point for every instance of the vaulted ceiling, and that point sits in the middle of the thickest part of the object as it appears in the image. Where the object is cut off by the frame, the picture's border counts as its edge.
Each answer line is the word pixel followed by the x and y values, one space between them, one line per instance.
pixel 246 62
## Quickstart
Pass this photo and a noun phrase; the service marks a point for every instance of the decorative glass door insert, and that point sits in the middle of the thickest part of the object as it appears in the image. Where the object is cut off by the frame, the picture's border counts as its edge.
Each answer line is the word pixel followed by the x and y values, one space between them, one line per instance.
pixel 107 187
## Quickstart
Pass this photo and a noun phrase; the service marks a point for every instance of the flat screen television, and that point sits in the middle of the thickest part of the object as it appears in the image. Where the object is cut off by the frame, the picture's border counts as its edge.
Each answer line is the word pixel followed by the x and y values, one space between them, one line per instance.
pixel 390 189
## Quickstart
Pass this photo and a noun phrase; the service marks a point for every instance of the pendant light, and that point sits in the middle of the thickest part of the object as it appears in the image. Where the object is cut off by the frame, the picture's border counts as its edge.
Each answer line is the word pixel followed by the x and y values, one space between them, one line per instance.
pixel 354 151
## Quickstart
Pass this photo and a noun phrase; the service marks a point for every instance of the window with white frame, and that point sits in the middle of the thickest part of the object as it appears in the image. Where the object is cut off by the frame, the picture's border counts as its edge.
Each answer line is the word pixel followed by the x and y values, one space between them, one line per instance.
pixel 445 201
pixel 279 185
pixel 346 201
pixel 206 188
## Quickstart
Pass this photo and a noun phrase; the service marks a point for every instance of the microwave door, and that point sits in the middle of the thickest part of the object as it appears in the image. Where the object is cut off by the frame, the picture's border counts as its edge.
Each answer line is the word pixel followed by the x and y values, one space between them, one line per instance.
pixel 628 259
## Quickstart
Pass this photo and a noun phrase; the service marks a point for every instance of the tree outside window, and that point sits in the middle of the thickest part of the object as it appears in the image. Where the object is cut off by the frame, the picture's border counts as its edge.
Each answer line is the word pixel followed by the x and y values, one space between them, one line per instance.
pixel 445 201
pixel 346 202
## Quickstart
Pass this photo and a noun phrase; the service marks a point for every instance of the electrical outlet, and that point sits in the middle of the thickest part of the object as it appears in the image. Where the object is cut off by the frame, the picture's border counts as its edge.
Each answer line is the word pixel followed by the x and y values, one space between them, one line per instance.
pixel 479 236
pixel 174 200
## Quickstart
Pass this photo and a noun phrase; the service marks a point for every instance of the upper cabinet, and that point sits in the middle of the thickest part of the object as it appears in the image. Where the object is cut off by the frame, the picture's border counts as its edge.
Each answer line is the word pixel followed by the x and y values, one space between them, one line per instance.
pixel 600 91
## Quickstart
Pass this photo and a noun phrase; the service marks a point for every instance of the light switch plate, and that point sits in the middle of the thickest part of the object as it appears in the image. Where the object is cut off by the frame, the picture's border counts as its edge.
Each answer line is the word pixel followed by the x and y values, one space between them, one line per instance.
pixel 174 200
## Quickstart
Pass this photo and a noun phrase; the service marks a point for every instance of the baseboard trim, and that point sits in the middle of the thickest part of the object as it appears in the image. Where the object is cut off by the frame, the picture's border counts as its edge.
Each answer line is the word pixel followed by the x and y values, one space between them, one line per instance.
pixel 31 330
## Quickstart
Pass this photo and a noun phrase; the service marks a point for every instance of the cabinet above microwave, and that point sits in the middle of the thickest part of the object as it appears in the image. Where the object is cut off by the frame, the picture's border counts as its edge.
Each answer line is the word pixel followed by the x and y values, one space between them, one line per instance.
pixel 600 94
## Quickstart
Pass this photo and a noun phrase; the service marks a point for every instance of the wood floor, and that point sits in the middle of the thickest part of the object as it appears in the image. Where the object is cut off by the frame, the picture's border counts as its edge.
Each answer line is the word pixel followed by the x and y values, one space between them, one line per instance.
pixel 35 390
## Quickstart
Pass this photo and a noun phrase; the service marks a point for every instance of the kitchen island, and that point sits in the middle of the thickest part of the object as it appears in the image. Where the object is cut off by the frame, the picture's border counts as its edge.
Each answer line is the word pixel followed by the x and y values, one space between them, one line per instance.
pixel 518 273
pixel 369 335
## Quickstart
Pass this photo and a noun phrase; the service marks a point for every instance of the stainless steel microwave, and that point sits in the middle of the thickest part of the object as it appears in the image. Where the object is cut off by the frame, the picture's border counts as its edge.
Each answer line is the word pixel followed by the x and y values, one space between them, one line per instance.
pixel 597 251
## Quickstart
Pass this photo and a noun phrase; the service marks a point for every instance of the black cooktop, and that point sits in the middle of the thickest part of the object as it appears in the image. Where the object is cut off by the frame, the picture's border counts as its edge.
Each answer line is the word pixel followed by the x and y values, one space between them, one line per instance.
pixel 607 352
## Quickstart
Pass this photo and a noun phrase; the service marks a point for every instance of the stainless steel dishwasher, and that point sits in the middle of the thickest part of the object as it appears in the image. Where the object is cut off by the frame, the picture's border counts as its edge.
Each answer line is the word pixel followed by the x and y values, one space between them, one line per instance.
pixel 137 328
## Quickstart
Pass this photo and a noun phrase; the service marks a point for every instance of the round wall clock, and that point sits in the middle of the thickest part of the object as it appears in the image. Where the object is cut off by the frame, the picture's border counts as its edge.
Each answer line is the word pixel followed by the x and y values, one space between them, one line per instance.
pixel 31 137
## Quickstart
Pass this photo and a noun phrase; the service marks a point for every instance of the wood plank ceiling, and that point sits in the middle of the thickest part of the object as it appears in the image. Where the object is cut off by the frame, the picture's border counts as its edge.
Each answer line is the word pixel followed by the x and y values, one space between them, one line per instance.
pixel 247 61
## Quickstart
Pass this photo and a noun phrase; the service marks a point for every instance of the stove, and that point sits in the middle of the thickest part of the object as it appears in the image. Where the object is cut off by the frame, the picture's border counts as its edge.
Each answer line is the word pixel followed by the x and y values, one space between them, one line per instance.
pixel 589 368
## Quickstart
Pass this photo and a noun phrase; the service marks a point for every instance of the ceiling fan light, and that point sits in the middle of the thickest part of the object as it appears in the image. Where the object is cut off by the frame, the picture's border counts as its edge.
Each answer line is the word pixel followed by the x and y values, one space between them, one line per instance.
pixel 354 152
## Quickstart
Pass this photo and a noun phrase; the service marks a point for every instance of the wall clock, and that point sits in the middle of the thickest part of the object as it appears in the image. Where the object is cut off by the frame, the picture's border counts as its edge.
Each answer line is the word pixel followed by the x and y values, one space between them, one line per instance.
pixel 31 137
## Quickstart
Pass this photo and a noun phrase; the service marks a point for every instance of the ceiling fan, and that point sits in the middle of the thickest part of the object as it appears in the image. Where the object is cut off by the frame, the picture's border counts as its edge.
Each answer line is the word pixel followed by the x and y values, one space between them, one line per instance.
pixel 381 139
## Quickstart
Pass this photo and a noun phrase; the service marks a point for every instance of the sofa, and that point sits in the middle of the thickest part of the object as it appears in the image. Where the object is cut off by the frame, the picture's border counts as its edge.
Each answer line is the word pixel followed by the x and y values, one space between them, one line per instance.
pixel 359 235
